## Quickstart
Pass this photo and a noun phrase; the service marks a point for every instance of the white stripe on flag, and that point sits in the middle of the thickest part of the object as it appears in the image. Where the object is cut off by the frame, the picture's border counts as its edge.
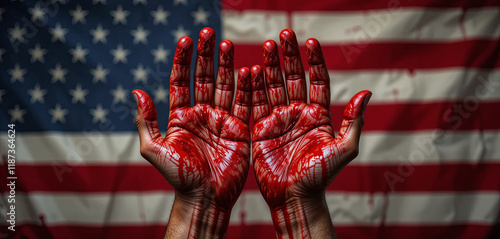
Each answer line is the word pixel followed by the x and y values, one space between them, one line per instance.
pixel 482 22
pixel 419 86
pixel 253 26
pixel 345 208
pixel 371 209
pixel 425 85
pixel 420 147
pixel 405 24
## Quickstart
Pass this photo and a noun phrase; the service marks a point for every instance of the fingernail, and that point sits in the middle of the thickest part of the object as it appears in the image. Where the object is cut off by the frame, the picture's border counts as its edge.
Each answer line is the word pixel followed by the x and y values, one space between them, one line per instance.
pixel 136 100
pixel 367 99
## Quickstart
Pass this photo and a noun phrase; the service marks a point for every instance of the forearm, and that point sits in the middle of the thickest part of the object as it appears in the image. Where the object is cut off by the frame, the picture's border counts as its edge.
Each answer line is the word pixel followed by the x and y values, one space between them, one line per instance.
pixel 193 217
pixel 303 218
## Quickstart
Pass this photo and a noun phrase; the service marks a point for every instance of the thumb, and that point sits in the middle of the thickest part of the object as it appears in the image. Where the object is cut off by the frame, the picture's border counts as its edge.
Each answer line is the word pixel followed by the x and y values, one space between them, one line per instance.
pixel 149 133
pixel 350 131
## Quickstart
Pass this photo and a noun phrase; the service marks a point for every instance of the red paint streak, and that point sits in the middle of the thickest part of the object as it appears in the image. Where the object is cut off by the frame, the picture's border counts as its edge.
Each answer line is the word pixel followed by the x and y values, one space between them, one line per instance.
pixel 324 172
pixel 288 223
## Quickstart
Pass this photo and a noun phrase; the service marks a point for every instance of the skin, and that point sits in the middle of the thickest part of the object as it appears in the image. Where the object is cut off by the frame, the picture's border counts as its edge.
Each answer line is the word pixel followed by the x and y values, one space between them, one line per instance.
pixel 296 154
pixel 205 153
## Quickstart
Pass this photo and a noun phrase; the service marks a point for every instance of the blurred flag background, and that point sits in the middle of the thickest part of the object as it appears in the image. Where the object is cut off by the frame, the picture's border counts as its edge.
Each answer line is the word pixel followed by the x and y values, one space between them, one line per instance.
pixel 429 161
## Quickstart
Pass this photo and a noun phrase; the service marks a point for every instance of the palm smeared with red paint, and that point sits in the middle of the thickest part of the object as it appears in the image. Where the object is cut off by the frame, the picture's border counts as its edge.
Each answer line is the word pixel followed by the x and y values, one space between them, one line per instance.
pixel 295 151
pixel 205 152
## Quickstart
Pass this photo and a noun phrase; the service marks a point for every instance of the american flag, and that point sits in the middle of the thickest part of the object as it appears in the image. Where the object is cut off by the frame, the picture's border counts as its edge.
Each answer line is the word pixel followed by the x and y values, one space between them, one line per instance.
pixel 429 159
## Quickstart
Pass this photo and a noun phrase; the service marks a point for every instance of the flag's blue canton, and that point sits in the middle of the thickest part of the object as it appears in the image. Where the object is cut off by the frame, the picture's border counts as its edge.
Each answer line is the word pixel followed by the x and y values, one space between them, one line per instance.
pixel 71 65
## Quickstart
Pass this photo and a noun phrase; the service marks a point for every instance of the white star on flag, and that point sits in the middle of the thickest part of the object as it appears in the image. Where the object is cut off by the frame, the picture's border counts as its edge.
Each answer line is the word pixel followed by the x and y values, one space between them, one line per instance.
pixel 37 13
pixel 58 33
pixel 99 34
pixel 99 114
pixel 58 74
pixel 119 54
pixel 17 33
pixel 99 74
pixel 179 33
pixel 161 94
pixel 17 114
pixel 140 35
pixel 17 74
pixel 78 53
pixel 78 15
pixel 58 114
pixel 160 16
pixel 119 94
pixel 200 16
pixel 37 53
pixel 78 94
pixel 37 94
pixel 160 54
pixel 140 74
pixel 119 15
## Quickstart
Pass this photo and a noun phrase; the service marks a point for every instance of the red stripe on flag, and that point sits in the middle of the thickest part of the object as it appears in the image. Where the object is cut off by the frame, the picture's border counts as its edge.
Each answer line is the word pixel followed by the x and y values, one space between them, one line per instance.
pixel 457 231
pixel 408 177
pixel 355 178
pixel 484 54
pixel 347 5
pixel 469 114
pixel 60 177
pixel 32 231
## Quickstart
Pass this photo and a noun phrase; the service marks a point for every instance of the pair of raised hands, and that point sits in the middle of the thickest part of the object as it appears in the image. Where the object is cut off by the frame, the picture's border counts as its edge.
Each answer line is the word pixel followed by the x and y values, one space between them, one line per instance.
pixel 205 154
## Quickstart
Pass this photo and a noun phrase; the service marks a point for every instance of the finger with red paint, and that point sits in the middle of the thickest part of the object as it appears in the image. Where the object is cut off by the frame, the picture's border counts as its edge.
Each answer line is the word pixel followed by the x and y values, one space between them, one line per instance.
pixel 260 102
pixel 350 130
pixel 294 70
pixel 318 74
pixel 204 68
pixel 295 152
pixel 205 153
pixel 147 124
pixel 224 88
pixel 180 77
pixel 243 99
pixel 274 79
pixel 149 133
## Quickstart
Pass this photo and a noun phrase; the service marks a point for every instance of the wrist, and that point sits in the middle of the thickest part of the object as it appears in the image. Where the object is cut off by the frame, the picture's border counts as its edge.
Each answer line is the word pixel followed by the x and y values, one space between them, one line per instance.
pixel 303 217
pixel 197 217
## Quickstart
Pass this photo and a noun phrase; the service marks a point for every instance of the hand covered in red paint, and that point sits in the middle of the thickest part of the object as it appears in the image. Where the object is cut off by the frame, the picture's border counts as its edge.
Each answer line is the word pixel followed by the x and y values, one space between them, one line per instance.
pixel 205 153
pixel 296 154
